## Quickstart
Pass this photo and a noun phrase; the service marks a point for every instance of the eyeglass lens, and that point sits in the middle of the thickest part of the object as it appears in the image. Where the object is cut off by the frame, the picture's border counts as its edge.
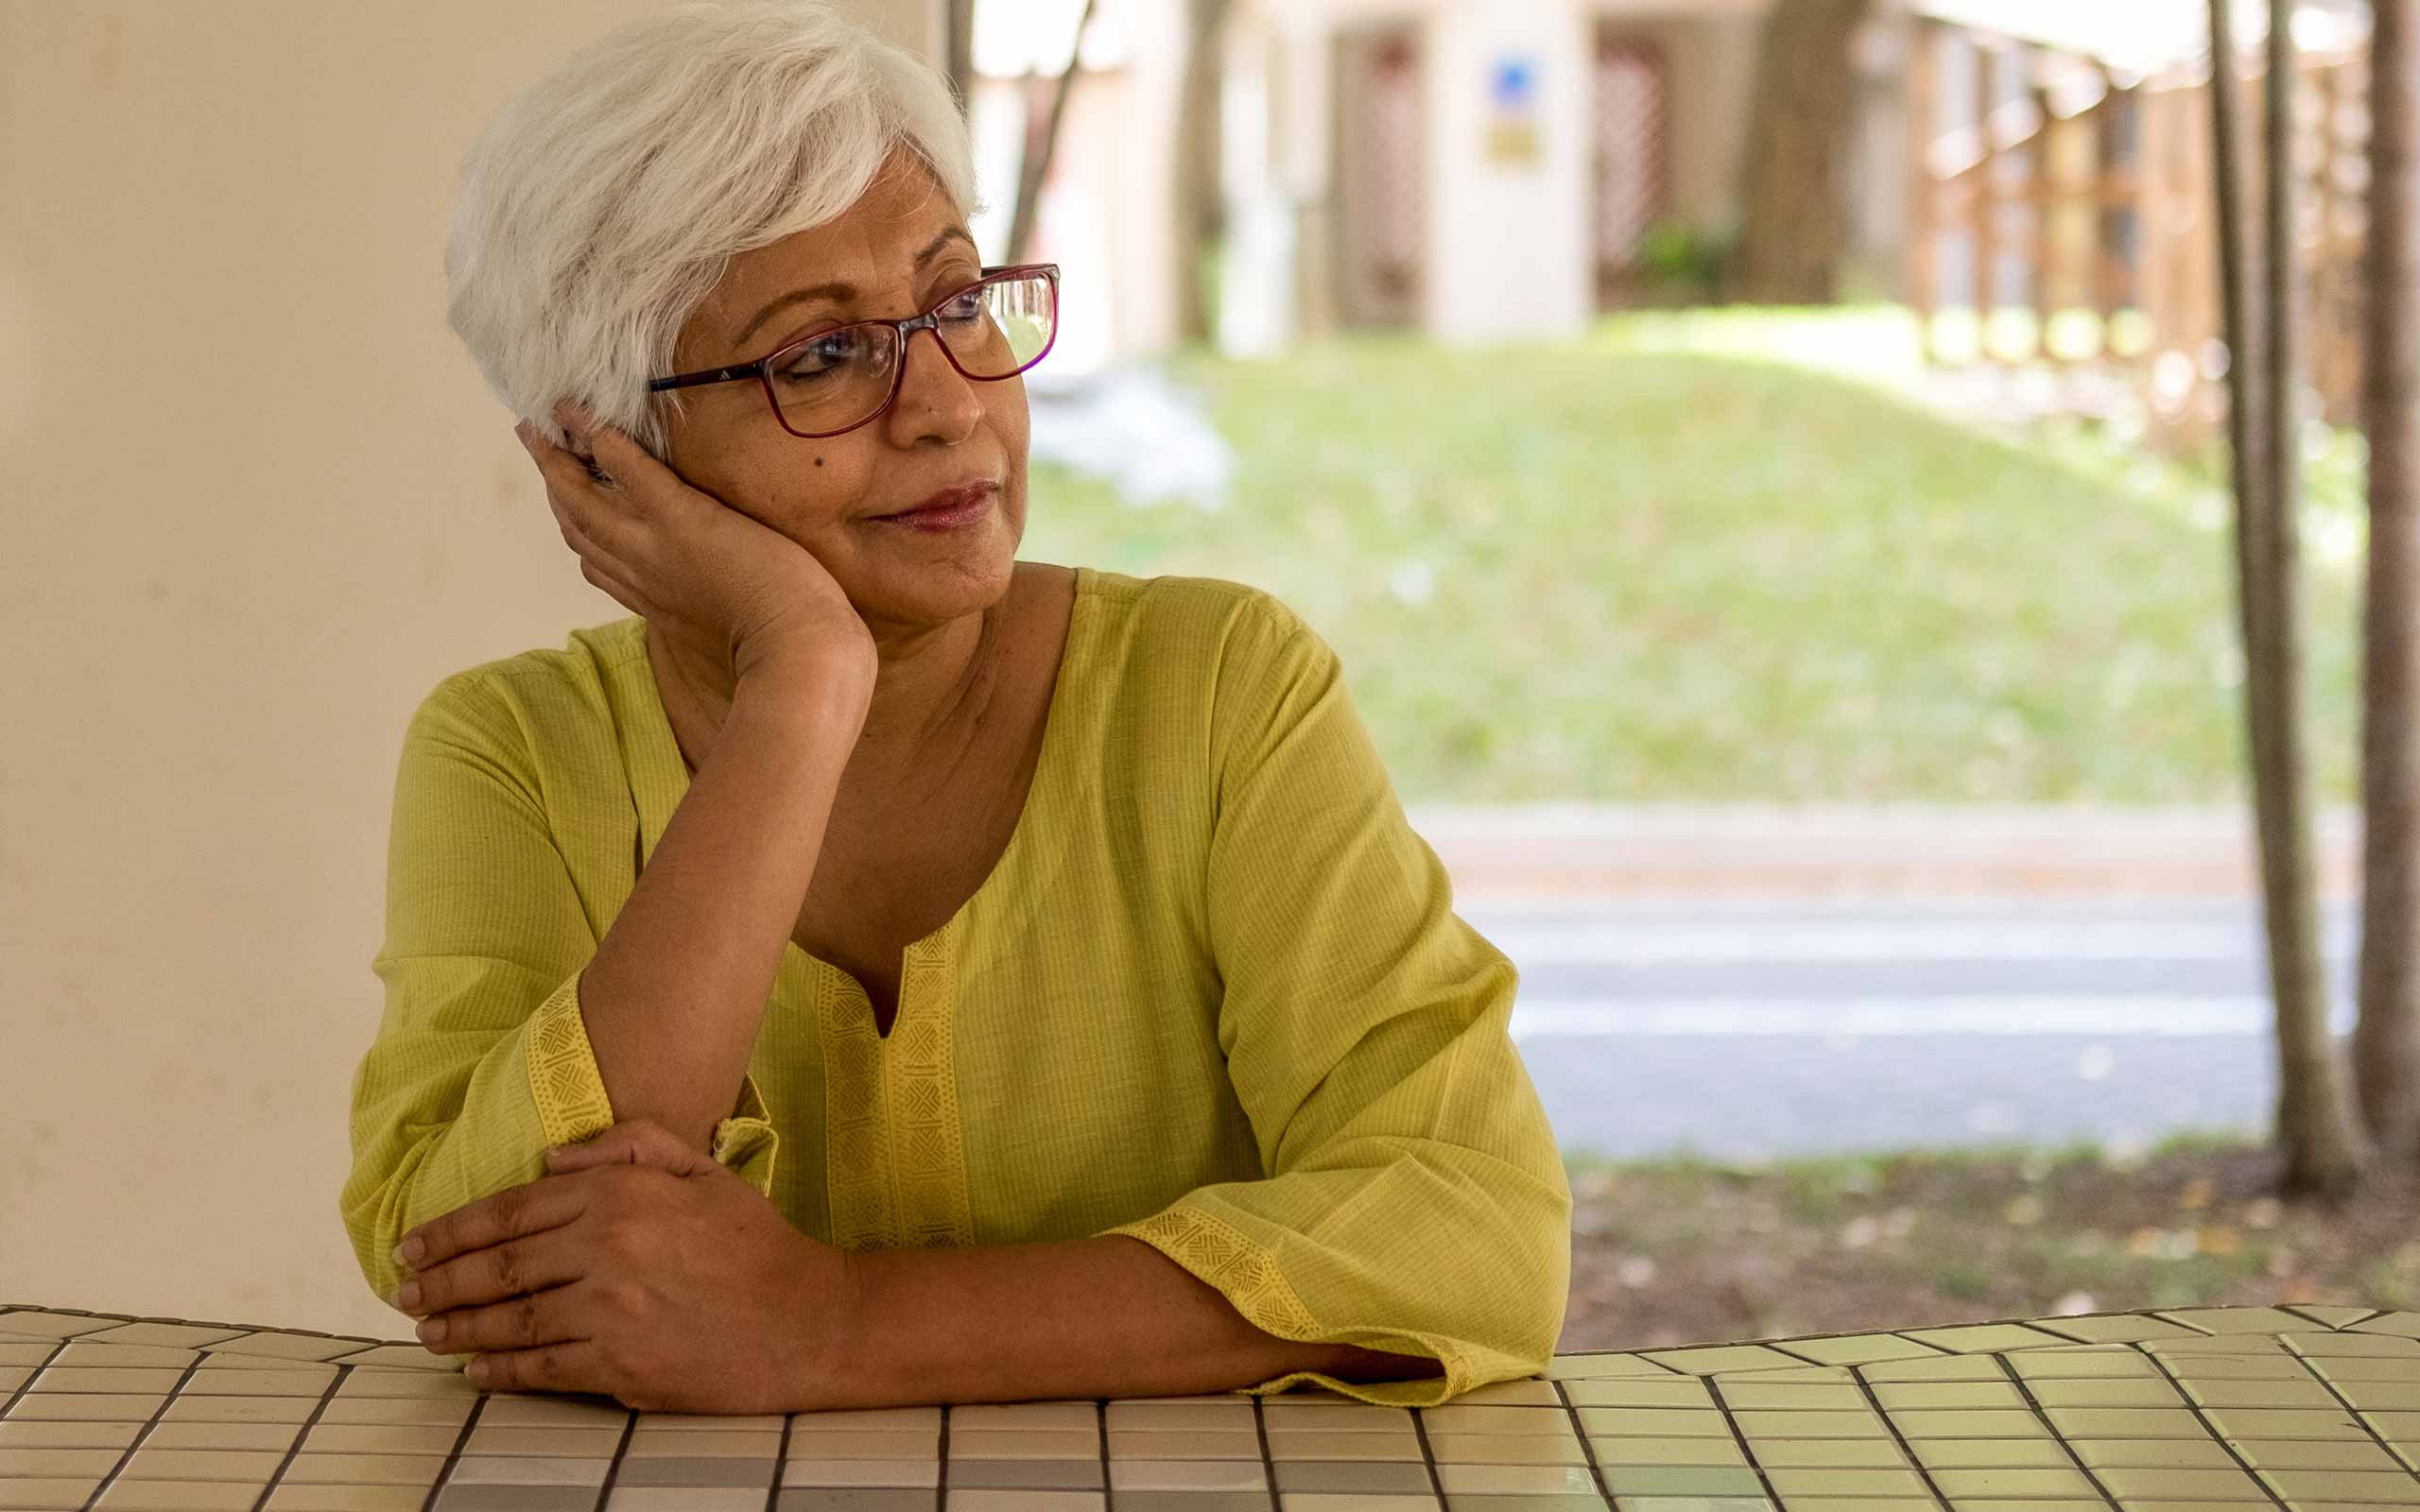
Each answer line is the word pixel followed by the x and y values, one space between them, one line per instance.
pixel 841 377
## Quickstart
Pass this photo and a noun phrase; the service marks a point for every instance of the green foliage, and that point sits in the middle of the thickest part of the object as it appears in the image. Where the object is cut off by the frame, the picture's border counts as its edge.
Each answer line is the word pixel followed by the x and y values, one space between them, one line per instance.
pixel 1621 572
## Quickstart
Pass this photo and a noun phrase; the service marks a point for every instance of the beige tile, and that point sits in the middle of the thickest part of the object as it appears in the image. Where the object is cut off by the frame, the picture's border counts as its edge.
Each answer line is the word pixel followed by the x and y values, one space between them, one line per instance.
pixel 174 1335
pixel 279 1436
pixel 309 1381
pixel 188 1408
pixel 108 1378
pixel 2145 1453
pixel 1984 1453
pixel 487 1440
pixel 2314 1455
pixel 2235 1320
pixel 2373 1488
pixel 381 1438
pixel 364 1469
pixel 1842 1453
pixel 768 1422
pixel 1514 1478
pixel 253 1465
pixel 301 1347
pixel 1292 1444
pixel 1739 1393
pixel 181 1495
pixel 1525 1393
pixel 1611 1451
pixel 41 1325
pixel 1860 1424
pixel 1896 1395
pixel 2108 1391
pixel 1980 1338
pixel 986 1499
pixel 859 1419
pixel 1454 1418
pixel 84 1352
pixel 1152 1443
pixel 896 1443
pixel 1946 1368
pixel 1861 1348
pixel 2253 1422
pixel 405 1411
pixel 1708 1360
pixel 1506 1449
pixel 522 1470
pixel 101 1406
pixel 93 1462
pixel 685 1498
pixel 2122 1328
pixel 1021 1443
pixel 30 1435
pixel 1186 1475
pixel 2170 1483
pixel 1655 1423
pixel 1671 1392
pixel 289 1497
pixel 1600 1367
pixel 410 1383
pixel 1187 1417
pixel 1352 1502
pixel 751 1443
pixel 845 1473
pixel 2126 1422
pixel 548 1412
pixel 2025 1481
pixel 1348 1417
pixel 1862 1484
pixel 1024 1414
pixel 45 1493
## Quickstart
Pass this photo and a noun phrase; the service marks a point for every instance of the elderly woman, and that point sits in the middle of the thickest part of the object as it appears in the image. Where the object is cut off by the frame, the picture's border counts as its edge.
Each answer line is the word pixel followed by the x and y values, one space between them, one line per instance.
pixel 879 970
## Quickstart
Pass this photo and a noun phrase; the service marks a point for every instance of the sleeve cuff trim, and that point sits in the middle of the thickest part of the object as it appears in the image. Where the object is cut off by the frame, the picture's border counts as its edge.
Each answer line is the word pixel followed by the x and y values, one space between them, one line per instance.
pixel 564 1078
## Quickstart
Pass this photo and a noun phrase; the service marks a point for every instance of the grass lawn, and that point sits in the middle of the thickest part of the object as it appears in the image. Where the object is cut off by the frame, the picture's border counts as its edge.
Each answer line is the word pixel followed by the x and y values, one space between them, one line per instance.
pixel 1682 1251
pixel 1650 566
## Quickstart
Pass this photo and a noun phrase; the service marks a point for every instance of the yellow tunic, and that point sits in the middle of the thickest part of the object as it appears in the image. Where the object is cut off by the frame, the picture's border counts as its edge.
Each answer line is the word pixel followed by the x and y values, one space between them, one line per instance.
pixel 1213 995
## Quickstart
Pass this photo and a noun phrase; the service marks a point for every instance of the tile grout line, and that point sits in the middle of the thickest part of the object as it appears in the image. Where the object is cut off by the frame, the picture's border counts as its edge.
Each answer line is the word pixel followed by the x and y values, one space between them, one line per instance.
pixel 1923 1472
pixel 1428 1457
pixel 1740 1437
pixel 1268 1461
pixel 2209 1427
pixel 453 1455
pixel 58 1348
pixel 614 1468
pixel 941 1476
pixel 781 1463
pixel 1100 1431
pixel 2008 1372
pixel 300 1434
pixel 2330 1386
pixel 1587 1450
pixel 149 1423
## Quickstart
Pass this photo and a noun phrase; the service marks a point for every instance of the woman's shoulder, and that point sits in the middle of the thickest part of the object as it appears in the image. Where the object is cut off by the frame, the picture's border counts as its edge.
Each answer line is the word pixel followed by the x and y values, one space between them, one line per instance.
pixel 527 692
pixel 1176 612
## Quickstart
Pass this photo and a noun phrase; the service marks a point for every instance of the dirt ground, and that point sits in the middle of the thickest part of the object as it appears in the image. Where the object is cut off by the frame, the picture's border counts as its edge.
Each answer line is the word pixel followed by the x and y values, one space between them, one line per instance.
pixel 1687 1252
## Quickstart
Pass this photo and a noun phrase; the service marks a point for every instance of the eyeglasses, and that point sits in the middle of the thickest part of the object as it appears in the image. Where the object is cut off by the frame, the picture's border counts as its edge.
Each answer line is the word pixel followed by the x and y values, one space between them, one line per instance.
pixel 838 380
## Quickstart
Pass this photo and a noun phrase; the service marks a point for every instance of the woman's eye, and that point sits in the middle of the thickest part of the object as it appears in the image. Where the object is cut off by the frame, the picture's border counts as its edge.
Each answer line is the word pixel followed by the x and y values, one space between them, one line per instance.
pixel 820 357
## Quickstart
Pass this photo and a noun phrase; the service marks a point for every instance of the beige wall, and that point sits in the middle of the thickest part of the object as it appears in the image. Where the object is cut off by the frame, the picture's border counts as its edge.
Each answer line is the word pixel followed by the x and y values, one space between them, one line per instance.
pixel 256 501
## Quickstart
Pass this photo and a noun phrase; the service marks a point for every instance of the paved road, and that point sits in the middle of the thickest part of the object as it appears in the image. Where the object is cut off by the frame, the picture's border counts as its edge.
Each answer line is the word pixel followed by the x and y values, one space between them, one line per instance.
pixel 1751 1028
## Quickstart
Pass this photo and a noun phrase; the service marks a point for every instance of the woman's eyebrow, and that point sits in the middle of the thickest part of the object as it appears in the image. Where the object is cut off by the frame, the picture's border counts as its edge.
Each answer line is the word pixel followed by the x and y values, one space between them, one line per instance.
pixel 843 293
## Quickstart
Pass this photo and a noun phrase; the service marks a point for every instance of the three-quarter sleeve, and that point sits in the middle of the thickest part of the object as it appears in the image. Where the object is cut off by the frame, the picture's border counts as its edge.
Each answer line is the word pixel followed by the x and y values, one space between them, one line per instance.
pixel 1416 1201
pixel 482 1060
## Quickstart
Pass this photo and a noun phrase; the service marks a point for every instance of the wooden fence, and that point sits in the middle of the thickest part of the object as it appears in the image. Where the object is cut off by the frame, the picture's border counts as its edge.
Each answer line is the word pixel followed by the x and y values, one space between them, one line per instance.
pixel 2047 188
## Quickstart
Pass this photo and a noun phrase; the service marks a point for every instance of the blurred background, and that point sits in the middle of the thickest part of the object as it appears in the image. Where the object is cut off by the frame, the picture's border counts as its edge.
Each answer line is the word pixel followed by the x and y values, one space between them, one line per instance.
pixel 1765 465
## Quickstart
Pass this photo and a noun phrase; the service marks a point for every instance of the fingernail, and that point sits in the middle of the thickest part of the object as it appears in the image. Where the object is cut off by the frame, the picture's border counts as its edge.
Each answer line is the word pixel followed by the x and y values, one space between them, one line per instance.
pixel 407 1295
pixel 409 1252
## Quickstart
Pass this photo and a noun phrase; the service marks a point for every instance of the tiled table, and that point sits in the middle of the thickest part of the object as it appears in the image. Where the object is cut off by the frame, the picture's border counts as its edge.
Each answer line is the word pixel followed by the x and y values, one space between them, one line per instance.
pixel 2217 1410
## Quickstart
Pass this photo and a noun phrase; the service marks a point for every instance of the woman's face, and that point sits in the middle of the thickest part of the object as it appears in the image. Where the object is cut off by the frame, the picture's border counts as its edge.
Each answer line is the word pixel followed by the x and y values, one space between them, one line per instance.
pixel 899 250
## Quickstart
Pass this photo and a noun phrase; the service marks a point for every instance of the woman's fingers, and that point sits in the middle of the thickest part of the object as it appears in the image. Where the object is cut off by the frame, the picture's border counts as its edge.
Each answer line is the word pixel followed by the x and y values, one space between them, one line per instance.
pixel 521 1321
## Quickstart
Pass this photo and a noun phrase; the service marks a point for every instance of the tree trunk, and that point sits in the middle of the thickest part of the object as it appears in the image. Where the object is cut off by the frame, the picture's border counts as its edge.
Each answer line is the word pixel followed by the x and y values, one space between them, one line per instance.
pixel 1793 224
pixel 959 17
pixel 2314 1117
pixel 1041 144
pixel 2386 1040
pixel 1198 201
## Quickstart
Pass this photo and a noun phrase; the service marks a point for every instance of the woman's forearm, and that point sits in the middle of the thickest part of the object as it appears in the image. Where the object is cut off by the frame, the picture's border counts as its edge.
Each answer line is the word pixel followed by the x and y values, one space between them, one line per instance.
pixel 1105 1317
pixel 672 998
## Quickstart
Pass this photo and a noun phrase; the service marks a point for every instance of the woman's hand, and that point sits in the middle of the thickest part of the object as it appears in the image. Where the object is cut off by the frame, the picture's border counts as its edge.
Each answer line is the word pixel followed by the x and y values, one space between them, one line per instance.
pixel 707 576
pixel 640 1270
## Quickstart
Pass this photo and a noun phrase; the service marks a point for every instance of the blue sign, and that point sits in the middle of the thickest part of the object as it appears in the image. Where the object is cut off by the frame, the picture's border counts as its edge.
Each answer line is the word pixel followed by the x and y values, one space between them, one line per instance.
pixel 1516 84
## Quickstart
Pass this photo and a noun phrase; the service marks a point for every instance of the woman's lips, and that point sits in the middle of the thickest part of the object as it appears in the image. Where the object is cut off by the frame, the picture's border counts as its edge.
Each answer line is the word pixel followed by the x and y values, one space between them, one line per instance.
pixel 959 508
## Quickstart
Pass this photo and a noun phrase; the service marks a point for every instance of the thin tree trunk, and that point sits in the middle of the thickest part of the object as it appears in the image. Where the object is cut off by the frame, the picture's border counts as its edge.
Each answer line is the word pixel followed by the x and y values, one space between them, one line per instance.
pixel 1041 146
pixel 1198 201
pixel 2386 1038
pixel 958 17
pixel 1794 228
pixel 2314 1116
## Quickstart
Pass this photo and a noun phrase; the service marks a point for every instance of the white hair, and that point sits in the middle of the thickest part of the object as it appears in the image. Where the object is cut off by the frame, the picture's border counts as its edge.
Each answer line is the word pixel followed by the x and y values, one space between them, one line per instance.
pixel 602 205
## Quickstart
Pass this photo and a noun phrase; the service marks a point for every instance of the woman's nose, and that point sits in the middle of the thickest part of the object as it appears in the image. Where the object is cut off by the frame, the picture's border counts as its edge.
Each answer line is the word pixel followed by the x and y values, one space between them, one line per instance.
pixel 935 398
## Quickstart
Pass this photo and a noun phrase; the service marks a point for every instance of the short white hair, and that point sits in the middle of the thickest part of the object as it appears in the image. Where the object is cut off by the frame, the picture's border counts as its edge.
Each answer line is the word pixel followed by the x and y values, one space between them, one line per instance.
pixel 602 205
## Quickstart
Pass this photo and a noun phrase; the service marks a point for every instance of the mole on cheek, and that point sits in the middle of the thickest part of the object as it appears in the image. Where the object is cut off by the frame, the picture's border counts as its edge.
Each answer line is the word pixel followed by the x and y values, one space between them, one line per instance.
pixel 819 461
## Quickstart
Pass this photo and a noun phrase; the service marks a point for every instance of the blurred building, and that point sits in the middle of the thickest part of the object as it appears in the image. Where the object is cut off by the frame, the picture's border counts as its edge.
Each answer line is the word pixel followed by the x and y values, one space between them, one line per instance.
pixel 1487 169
